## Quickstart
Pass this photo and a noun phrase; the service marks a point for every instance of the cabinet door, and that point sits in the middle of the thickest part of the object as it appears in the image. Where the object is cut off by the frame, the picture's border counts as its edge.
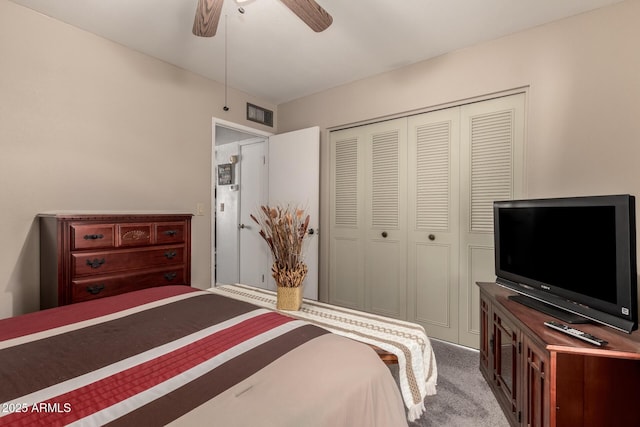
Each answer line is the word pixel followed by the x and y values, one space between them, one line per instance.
pixel 536 385
pixel 386 223
pixel 506 364
pixel 486 340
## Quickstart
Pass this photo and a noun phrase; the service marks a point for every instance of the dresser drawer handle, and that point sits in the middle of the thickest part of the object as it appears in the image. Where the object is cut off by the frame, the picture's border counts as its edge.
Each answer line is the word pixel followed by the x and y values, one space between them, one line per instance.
pixel 93 236
pixel 170 276
pixel 171 232
pixel 170 254
pixel 95 290
pixel 95 263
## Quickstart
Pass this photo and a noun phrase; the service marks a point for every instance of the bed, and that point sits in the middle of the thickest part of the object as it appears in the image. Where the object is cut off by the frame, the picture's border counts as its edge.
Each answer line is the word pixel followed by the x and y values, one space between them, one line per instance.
pixel 176 355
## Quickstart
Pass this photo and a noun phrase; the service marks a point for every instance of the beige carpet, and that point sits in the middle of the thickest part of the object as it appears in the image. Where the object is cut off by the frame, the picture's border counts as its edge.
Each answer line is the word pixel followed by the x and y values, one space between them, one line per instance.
pixel 463 398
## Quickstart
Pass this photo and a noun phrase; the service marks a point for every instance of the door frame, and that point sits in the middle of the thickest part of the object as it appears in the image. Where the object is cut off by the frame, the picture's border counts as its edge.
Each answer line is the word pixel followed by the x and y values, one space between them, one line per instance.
pixel 240 128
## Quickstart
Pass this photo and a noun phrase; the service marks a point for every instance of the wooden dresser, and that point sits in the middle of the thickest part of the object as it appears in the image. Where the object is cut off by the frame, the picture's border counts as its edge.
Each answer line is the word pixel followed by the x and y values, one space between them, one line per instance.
pixel 87 256
pixel 542 377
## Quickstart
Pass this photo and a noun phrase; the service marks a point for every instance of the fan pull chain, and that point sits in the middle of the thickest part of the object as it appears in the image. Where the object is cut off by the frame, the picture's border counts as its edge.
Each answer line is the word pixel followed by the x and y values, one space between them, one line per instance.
pixel 225 108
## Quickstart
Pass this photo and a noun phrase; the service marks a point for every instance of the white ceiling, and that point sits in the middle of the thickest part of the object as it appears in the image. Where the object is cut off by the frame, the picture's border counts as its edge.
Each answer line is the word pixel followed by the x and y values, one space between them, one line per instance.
pixel 273 55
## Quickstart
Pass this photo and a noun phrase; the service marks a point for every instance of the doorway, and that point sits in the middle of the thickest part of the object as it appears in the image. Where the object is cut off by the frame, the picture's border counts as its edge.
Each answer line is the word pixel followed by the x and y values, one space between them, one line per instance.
pixel 253 168
pixel 241 150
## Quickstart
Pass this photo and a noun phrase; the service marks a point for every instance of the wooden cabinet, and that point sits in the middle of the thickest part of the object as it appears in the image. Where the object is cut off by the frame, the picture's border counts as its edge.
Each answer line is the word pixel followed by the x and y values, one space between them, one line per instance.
pixel 542 377
pixel 84 257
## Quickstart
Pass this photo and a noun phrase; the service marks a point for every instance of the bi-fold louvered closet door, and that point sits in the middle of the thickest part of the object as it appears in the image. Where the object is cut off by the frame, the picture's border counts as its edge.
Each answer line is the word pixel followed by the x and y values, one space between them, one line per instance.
pixel 411 218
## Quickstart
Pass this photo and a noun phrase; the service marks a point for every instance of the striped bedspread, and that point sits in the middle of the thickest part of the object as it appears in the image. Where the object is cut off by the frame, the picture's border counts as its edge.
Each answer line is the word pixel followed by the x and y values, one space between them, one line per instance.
pixel 408 341
pixel 144 358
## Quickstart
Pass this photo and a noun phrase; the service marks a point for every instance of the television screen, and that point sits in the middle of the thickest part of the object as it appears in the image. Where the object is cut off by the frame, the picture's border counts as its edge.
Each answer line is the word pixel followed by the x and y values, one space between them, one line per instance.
pixel 572 248
pixel 577 254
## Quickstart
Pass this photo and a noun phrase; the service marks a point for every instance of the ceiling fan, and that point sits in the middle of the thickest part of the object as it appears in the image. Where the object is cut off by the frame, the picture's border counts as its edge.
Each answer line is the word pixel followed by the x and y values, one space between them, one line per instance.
pixel 208 15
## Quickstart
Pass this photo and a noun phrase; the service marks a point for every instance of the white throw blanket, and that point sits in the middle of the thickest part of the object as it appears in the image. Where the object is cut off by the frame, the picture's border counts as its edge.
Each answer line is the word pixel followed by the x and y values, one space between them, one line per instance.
pixel 407 341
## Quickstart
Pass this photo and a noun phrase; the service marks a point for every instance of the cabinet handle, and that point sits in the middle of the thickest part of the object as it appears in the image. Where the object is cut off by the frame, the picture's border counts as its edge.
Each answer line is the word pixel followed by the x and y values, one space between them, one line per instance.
pixel 171 232
pixel 491 344
pixel 95 290
pixel 384 234
pixel 170 254
pixel 95 263
pixel 170 276
pixel 93 236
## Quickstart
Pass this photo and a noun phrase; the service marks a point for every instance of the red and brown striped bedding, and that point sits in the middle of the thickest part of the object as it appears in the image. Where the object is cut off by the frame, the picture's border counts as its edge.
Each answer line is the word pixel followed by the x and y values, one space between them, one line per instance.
pixel 175 354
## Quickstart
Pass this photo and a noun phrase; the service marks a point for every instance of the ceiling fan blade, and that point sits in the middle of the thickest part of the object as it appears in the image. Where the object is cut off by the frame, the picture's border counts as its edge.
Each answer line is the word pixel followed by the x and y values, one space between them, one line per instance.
pixel 311 13
pixel 208 12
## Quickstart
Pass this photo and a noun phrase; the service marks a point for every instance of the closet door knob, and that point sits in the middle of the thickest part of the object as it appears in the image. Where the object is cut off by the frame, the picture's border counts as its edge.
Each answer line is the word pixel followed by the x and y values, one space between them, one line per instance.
pixel 384 234
pixel 432 237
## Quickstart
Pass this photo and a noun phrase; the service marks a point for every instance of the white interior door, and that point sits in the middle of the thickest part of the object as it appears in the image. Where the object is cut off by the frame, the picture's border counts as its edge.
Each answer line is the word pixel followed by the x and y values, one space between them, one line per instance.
pixel 226 218
pixel 254 255
pixel 491 168
pixel 433 145
pixel 346 240
pixel 385 218
pixel 294 178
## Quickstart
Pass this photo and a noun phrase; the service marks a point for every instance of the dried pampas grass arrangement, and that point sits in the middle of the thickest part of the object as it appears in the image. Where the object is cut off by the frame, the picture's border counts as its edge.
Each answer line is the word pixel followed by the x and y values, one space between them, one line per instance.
pixel 284 228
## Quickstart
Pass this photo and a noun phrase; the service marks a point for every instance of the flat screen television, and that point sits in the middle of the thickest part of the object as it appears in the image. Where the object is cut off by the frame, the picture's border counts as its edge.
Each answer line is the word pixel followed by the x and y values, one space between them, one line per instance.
pixel 575 255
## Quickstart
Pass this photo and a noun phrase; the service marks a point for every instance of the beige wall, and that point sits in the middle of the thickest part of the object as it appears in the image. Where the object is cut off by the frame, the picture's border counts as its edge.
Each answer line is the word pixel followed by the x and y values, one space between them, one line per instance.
pixel 583 119
pixel 86 124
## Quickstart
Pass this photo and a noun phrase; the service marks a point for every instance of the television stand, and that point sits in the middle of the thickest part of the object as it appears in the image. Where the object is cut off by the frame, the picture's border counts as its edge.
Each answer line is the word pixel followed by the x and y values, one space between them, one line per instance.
pixel 565 316
pixel 544 378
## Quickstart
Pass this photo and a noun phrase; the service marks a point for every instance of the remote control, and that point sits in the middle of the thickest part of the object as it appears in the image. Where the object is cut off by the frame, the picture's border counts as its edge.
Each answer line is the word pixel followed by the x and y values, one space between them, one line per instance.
pixel 576 333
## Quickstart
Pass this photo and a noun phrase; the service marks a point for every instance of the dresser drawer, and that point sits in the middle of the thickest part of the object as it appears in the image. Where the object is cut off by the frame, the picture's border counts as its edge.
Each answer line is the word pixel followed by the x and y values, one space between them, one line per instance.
pixel 87 289
pixel 102 262
pixel 170 232
pixel 92 236
pixel 135 234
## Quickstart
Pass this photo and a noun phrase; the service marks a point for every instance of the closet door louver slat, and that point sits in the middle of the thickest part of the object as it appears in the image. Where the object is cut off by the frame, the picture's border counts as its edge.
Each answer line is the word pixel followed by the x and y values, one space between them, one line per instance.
pixel 346 183
pixel 491 166
pixel 432 177
pixel 384 180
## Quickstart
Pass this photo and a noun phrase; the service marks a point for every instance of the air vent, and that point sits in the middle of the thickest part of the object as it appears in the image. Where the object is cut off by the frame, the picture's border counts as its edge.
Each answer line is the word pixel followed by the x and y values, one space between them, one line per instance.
pixel 259 115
